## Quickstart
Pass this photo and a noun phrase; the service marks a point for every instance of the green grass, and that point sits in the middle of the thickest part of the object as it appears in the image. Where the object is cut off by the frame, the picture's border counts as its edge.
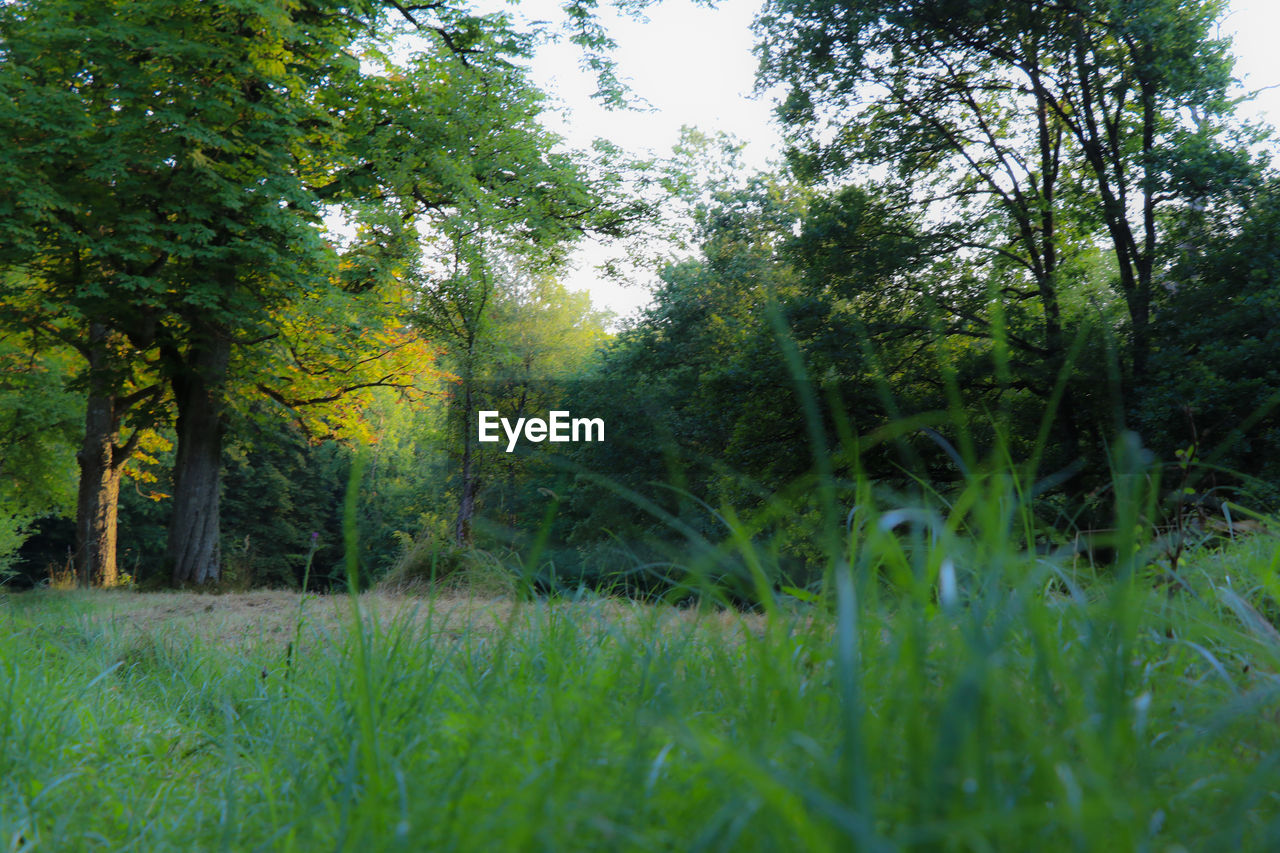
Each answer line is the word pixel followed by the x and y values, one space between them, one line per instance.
pixel 1034 714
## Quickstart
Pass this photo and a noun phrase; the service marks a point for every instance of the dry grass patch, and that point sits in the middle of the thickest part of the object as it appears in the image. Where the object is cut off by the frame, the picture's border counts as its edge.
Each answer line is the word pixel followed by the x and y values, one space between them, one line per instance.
pixel 271 615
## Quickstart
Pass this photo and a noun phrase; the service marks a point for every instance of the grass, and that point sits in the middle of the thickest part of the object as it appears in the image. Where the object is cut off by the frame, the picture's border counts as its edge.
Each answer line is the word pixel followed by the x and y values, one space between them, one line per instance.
pixel 1036 713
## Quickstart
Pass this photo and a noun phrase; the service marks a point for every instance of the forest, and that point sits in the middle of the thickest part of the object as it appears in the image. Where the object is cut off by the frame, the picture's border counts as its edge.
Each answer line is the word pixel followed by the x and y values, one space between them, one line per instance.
pixel 974 391
pixel 245 249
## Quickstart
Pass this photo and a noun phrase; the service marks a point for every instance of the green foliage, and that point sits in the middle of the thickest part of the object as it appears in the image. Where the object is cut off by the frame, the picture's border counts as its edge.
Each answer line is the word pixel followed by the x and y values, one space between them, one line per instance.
pixel 282 502
pixel 165 178
pixel 14 531
pixel 511 335
pixel 1032 134
pixel 279 492
pixel 1020 280
pixel 1216 365
pixel 707 407
pixel 134 132
pixel 39 418
pixel 1081 713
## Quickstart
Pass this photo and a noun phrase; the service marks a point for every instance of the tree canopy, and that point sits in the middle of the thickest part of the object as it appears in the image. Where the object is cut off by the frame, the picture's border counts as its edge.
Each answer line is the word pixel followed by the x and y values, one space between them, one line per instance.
pixel 168 175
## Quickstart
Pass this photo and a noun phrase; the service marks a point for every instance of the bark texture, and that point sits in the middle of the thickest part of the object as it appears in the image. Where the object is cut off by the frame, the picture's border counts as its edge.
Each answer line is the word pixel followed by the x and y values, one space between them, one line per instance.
pixel 467 503
pixel 101 463
pixel 98 497
pixel 194 549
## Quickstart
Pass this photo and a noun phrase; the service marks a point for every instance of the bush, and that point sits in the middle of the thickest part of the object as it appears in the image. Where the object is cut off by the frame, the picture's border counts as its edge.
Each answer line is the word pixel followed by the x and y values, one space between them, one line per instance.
pixel 14 530
pixel 433 561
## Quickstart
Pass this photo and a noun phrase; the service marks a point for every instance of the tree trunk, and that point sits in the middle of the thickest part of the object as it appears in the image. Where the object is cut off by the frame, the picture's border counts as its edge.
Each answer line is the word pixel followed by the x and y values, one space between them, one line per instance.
pixel 98 498
pixel 100 469
pixel 194 552
pixel 467 505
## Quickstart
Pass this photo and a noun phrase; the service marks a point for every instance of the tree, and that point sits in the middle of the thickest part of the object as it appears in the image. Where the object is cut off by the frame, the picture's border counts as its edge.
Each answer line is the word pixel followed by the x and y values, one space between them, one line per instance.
pixel 86 204
pixel 523 204
pixel 507 329
pixel 1035 127
pixel 1213 391
pixel 166 183
pixel 544 339
pixel 448 141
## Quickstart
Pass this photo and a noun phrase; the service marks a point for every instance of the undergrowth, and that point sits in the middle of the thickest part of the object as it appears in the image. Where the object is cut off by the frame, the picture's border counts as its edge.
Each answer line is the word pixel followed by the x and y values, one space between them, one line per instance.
pixel 1029 711
pixel 945 685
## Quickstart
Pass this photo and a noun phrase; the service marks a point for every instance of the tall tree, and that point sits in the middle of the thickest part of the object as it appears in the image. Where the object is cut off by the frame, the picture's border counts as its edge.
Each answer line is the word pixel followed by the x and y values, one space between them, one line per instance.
pixel 521 203
pixel 514 337
pixel 1035 127
pixel 85 207
pixel 174 164
pixel 469 313
pixel 447 143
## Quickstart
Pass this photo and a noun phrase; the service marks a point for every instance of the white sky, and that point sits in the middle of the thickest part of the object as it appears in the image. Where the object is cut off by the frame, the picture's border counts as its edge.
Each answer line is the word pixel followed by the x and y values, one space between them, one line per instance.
pixel 694 65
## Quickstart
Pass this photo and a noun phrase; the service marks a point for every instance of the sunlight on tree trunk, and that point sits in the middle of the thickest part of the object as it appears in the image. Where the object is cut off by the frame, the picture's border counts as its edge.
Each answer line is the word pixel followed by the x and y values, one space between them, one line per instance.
pixel 101 464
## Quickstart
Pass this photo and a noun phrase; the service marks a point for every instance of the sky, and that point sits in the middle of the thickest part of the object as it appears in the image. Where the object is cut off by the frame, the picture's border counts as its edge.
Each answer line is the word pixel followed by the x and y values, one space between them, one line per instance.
pixel 694 66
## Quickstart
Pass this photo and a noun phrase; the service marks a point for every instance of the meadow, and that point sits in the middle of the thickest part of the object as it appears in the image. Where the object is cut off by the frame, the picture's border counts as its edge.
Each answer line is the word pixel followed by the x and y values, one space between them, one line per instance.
pixel 937 510
pixel 1046 707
